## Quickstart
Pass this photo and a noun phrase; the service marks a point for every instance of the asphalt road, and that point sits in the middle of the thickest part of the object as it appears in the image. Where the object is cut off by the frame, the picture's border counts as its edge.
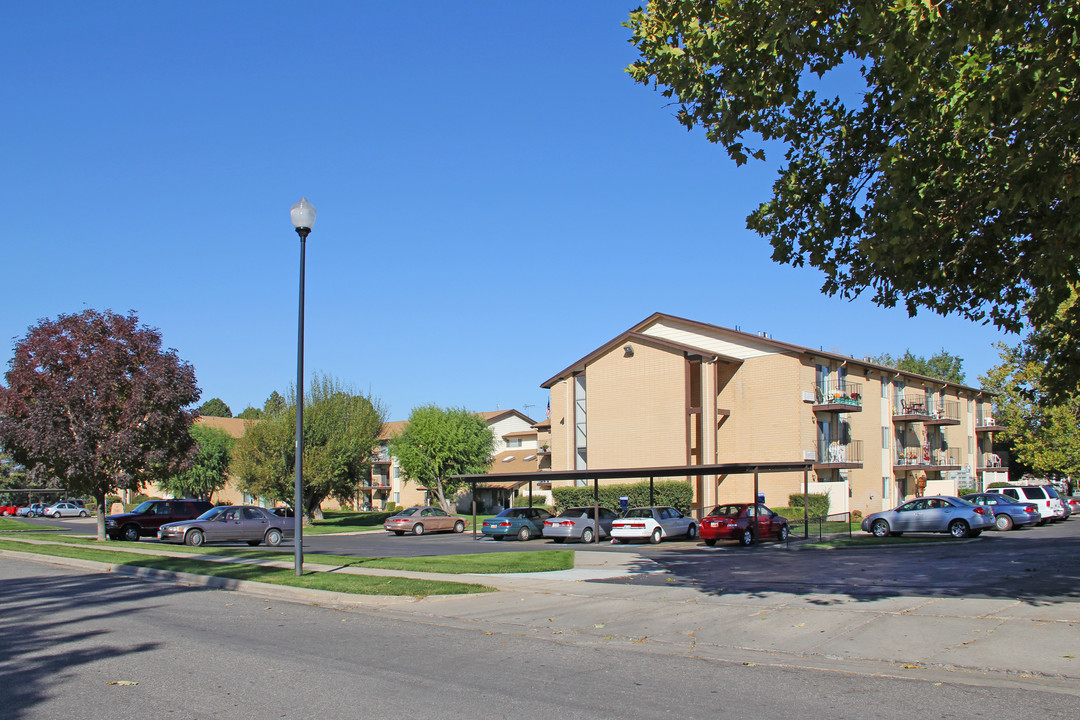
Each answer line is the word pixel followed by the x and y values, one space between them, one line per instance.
pixel 85 645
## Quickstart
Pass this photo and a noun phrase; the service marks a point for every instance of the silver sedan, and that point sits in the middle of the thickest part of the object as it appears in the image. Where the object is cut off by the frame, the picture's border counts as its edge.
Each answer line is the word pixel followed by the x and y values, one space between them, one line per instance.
pixel 578 524
pixel 941 514
pixel 230 523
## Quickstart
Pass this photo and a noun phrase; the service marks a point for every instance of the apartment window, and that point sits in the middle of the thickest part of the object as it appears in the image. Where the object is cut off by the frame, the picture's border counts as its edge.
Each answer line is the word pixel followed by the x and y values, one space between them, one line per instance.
pixel 884 438
pixel 397 497
pixel 397 472
pixel 580 434
pixel 885 483
pixel 512 443
pixel 884 389
pixel 841 379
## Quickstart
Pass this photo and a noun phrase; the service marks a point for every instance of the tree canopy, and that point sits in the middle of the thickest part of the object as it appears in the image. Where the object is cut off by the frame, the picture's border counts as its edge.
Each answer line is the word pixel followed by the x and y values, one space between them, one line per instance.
pixel 94 400
pixel 1044 435
pixel 341 429
pixel 250 413
pixel 215 407
pixel 942 366
pixel 944 177
pixel 209 469
pixel 438 443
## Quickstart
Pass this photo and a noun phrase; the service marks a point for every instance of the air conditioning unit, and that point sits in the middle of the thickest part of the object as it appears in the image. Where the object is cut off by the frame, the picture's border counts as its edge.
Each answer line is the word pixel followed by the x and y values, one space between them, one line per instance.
pixel 809 455
pixel 809 396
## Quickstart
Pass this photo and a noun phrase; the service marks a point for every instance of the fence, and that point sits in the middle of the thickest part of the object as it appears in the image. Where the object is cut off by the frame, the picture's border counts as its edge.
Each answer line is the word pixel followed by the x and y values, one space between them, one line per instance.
pixel 822 527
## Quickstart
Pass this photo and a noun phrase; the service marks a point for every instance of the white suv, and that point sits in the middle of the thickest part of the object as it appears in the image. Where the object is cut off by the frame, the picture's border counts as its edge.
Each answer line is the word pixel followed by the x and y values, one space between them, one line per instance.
pixel 1049 507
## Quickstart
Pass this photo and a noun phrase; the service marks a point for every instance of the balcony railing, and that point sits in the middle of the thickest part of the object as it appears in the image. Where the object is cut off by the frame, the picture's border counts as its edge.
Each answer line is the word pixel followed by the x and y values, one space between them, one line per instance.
pixel 912 405
pixel 944 412
pixel 913 455
pixel 841 396
pixel 946 457
pixel 835 453
pixel 988 424
pixel 994 460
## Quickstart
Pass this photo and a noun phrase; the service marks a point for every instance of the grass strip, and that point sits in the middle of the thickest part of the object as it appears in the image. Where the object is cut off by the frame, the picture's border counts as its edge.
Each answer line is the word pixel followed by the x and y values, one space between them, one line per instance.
pixel 496 562
pixel 8 524
pixel 336 582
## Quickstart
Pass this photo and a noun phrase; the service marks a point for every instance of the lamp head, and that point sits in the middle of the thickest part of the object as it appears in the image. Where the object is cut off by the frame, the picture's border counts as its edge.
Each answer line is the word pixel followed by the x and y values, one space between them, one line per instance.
pixel 303 216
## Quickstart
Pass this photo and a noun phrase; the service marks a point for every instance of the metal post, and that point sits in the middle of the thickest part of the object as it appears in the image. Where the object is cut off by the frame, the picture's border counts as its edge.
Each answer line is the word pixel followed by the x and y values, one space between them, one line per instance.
pixel 596 510
pixel 298 480
pixel 806 503
pixel 754 522
pixel 652 501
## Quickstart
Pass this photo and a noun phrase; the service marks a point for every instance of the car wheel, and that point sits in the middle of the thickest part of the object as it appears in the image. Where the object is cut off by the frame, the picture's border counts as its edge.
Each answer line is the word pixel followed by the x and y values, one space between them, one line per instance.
pixel 784 533
pixel 880 528
pixel 1003 522
pixel 711 542
pixel 524 533
pixel 418 529
pixel 747 538
pixel 587 535
pixel 130 533
pixel 84 514
pixel 194 538
pixel 959 529
pixel 691 532
pixel 656 536
pixel 459 526
pixel 273 537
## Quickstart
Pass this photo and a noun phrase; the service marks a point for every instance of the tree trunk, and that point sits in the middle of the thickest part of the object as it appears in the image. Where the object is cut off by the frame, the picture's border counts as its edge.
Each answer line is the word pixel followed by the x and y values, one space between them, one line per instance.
pixel 101 513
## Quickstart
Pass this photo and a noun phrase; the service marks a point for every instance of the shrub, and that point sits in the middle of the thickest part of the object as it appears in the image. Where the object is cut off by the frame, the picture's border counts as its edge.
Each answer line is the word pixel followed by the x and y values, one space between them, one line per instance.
pixel 998 484
pixel 817 502
pixel 675 493
pixel 856 516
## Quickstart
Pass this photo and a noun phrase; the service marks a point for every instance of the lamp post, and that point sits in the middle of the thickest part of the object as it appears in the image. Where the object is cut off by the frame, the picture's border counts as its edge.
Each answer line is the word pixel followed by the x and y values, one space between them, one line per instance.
pixel 303 217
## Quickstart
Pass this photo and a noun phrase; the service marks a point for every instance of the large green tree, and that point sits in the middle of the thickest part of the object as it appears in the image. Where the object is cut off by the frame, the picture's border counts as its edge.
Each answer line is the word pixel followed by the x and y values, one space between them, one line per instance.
pixel 341 429
pixel 215 407
pixel 95 401
pixel 943 175
pixel 440 442
pixel 943 366
pixel 209 469
pixel 1043 434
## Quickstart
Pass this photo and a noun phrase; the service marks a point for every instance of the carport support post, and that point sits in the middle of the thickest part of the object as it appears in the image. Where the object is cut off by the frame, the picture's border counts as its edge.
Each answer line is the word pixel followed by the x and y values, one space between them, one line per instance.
pixel 473 510
pixel 651 500
pixel 596 510
pixel 530 493
pixel 754 522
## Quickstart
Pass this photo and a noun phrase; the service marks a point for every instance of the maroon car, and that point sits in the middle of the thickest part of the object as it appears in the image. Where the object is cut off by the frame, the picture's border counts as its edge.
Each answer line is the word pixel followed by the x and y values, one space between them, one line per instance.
pixel 733 522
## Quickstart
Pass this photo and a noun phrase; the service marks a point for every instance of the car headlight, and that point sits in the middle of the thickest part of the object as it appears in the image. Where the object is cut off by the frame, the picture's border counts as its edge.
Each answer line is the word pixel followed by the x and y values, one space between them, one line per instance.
pixel 109 522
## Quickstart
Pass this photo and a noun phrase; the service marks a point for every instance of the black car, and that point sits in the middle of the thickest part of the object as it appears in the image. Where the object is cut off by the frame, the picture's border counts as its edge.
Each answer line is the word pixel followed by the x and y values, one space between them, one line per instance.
pixel 145 519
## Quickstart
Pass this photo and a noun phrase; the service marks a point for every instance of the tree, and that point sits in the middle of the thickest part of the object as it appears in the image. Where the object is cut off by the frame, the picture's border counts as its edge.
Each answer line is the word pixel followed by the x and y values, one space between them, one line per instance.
pixel 438 443
pixel 209 470
pixel 1044 435
pixel 94 400
pixel 250 413
pixel 274 404
pixel 215 407
pixel 341 430
pixel 942 366
pixel 948 178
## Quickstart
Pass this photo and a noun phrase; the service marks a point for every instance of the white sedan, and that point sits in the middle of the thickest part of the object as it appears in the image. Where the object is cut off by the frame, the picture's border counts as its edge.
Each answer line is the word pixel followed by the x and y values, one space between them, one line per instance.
pixel 653 524
pixel 65 509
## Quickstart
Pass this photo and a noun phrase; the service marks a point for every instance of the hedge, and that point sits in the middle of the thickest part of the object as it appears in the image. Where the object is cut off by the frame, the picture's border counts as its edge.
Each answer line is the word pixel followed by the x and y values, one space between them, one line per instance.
pixel 677 494
pixel 818 503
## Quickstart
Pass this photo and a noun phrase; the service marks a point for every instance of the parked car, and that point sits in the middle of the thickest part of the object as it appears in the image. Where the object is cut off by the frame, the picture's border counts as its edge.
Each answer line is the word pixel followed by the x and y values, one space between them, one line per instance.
pixel 31 510
pixel 653 524
pixel 148 516
pixel 9 509
pixel 578 524
pixel 522 523
pixel 229 523
pixel 1065 507
pixel 733 522
pixel 1073 502
pixel 1050 508
pixel 941 514
pixel 1008 513
pixel 419 520
pixel 65 509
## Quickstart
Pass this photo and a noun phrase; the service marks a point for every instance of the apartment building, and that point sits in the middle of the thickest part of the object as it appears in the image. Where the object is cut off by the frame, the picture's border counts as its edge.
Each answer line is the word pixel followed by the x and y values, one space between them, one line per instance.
pixel 671 392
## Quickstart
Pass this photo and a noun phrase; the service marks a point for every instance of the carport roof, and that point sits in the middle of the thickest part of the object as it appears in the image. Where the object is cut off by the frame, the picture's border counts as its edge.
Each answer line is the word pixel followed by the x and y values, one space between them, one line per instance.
pixel 619 473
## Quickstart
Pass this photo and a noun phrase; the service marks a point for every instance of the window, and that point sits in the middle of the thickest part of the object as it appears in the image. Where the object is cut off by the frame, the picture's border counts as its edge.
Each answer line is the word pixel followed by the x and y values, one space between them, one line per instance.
pixel 885 483
pixel 884 438
pixel 512 443
pixel 580 435
pixel 397 497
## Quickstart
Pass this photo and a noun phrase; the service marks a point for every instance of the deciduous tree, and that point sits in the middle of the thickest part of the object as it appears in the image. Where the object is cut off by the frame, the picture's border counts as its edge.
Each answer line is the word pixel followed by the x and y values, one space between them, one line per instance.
pixel 943 366
pixel 209 469
pixel 215 407
pixel 94 400
pixel 438 443
pixel 341 428
pixel 945 172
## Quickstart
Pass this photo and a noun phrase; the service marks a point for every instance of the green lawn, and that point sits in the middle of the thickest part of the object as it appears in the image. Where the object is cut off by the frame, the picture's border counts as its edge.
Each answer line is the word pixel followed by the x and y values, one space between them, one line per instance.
pixel 18 524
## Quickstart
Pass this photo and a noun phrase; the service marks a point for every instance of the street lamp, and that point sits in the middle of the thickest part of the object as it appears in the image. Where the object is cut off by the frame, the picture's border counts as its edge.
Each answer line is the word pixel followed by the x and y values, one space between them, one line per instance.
pixel 303 217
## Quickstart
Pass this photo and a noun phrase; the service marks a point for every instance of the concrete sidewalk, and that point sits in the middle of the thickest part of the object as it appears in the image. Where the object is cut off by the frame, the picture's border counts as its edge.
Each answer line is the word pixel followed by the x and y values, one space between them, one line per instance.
pixel 971 640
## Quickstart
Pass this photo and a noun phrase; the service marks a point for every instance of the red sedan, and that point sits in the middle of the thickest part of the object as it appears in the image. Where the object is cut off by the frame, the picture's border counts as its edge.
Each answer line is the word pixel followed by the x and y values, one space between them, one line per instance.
pixel 732 522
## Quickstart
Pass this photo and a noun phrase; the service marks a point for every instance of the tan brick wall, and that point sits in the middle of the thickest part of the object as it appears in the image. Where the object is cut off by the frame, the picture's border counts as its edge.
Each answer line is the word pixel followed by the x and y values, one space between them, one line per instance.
pixel 768 421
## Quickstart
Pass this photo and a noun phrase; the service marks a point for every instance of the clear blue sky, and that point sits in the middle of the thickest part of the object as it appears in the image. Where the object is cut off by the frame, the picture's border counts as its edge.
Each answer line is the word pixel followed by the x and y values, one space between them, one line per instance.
pixel 496 198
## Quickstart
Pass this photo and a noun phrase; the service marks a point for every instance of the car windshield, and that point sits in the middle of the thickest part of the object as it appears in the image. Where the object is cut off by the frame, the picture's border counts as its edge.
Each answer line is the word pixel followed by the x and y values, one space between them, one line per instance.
pixel 574 512
pixel 143 506
pixel 959 501
pixel 730 510
pixel 511 512
pixel 211 513
pixel 1051 492
pixel 410 511
pixel 639 513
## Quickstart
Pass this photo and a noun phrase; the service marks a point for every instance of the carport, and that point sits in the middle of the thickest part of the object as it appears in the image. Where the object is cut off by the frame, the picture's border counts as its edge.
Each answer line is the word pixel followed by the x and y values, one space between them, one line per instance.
pixel 652 473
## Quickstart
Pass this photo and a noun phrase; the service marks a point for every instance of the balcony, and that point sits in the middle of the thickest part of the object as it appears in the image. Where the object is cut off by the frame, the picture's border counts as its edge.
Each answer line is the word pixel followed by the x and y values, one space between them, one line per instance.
pixel 839 455
pixel 944 413
pixel 919 458
pixel 947 459
pixel 993 461
pixel 913 407
pixel 381 456
pixel 837 397
pixel 988 424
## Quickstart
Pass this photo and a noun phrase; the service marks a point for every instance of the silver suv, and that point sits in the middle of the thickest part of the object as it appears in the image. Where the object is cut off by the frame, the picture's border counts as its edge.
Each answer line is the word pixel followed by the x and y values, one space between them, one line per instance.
pixel 1050 508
